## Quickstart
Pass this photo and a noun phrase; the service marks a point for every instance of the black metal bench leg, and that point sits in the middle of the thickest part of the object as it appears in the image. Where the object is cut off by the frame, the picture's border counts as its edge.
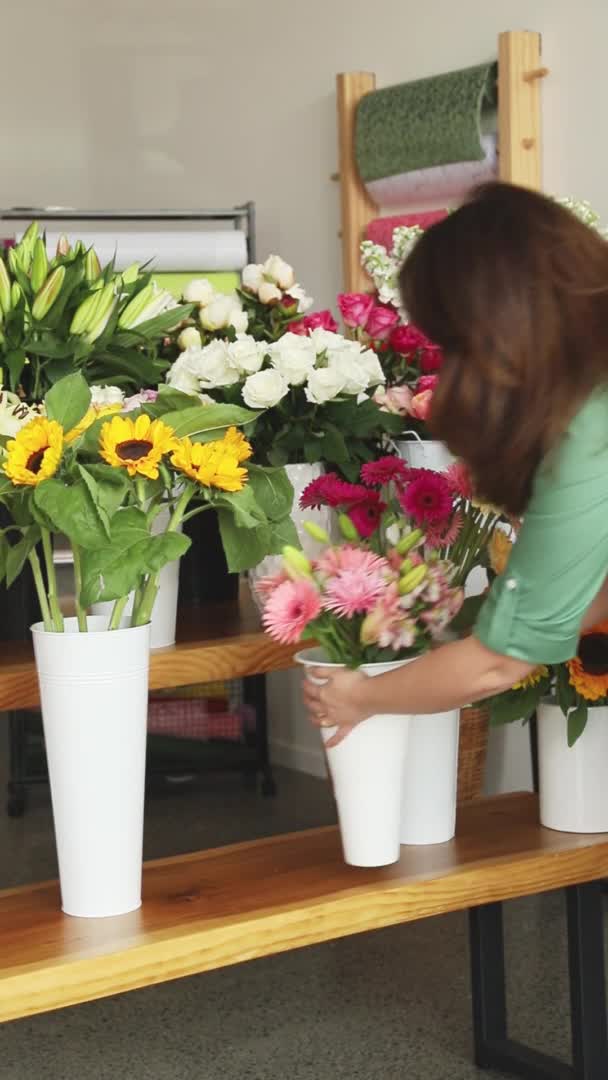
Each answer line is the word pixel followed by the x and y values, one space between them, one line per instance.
pixel 493 1047
pixel 16 788
pixel 587 981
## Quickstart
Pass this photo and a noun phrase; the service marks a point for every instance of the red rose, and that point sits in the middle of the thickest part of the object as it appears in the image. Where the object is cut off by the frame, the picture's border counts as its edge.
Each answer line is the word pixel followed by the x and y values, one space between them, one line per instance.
pixel 407 339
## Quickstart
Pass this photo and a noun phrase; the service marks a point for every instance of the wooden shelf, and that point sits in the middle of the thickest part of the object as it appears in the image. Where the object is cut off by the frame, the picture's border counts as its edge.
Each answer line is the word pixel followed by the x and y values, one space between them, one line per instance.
pixel 215 908
pixel 215 642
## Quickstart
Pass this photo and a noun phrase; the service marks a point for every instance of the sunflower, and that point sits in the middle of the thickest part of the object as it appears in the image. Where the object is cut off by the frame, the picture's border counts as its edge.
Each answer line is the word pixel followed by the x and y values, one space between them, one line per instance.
pixel 92 414
pixel 35 452
pixel 541 672
pixel 136 445
pixel 213 464
pixel 499 550
pixel 588 671
pixel 237 440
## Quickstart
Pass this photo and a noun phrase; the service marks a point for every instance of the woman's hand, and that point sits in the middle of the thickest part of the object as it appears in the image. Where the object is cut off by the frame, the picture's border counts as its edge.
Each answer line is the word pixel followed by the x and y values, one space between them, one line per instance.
pixel 339 702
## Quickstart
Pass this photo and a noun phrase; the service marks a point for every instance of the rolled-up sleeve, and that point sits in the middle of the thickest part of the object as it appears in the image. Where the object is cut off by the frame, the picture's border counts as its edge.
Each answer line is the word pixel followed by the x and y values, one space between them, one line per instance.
pixel 534 610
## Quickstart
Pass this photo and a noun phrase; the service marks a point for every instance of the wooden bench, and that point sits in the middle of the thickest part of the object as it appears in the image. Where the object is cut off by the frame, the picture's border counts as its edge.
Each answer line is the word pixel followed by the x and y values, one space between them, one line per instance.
pixel 215 908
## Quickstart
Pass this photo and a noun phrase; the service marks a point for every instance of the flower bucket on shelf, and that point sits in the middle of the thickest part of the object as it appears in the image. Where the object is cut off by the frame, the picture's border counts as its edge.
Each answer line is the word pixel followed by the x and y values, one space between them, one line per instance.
pixel 424 453
pixel 204 577
pixel 94 700
pixel 394 778
pixel 573 788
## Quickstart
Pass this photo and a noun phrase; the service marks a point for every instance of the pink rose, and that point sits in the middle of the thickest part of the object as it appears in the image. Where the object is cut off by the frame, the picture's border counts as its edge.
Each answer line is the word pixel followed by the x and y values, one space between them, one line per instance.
pixel 432 358
pixel 381 321
pixel 355 308
pixel 407 339
pixel 420 405
pixel 397 399
pixel 322 319
pixel 426 382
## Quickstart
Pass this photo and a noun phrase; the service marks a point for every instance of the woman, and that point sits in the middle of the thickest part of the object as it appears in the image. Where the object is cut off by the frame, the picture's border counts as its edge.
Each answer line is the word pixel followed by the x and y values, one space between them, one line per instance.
pixel 514 289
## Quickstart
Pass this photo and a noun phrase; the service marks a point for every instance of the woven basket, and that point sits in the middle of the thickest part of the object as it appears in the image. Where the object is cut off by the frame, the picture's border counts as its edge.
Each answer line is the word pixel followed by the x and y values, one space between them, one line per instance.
pixel 472 751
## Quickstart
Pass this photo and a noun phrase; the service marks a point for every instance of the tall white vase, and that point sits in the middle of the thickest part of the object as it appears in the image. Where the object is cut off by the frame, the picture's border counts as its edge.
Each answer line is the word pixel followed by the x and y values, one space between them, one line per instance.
pixel 367 774
pixel 573 787
pixel 425 454
pixel 164 614
pixel 430 779
pixel 300 477
pixel 94 698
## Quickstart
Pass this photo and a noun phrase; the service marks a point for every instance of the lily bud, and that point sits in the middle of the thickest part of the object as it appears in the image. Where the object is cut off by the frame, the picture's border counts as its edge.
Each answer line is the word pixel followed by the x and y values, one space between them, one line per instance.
pixel 47 295
pixel 40 265
pixel 28 240
pixel 130 274
pixel 296 563
pixel 102 314
pixel 348 530
pixel 148 303
pixel 413 579
pixel 16 294
pixel 317 532
pixel 92 266
pixel 410 541
pixel 405 567
pixel 85 313
pixel 63 245
pixel 5 288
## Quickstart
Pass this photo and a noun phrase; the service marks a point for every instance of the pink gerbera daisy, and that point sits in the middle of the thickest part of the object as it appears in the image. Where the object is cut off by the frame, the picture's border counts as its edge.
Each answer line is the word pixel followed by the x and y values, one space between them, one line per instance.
pixel 384 471
pixel 427 498
pixel 346 557
pixel 266 585
pixel 459 479
pixel 289 610
pixel 330 490
pixel 352 592
pixel 442 535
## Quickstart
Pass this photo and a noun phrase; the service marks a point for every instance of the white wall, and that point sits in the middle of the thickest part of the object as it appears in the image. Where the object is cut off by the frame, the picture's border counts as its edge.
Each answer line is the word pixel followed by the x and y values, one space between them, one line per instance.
pixel 205 102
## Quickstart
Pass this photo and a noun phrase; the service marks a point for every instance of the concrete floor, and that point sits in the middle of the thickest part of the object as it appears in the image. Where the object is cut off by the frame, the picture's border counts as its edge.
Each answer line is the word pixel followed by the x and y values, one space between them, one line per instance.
pixel 391 1004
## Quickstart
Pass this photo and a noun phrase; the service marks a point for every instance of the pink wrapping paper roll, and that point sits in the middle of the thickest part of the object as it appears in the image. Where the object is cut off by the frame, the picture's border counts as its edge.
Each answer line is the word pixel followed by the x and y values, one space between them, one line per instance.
pixel 381 230
pixel 439 185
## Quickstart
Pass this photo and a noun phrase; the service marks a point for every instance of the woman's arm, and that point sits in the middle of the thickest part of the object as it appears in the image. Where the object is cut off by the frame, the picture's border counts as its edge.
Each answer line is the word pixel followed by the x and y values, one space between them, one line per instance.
pixel 446 678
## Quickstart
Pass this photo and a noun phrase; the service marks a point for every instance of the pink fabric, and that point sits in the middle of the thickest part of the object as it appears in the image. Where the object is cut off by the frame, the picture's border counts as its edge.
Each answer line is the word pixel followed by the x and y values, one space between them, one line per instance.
pixel 381 230
pixel 189 718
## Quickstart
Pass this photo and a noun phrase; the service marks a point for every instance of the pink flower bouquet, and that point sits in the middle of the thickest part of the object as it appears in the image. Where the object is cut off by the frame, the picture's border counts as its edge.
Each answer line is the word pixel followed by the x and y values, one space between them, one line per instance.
pixel 379 595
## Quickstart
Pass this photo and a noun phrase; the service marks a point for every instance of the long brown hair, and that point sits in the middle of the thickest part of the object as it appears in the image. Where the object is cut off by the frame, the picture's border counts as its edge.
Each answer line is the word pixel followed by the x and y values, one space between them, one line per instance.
pixel 514 288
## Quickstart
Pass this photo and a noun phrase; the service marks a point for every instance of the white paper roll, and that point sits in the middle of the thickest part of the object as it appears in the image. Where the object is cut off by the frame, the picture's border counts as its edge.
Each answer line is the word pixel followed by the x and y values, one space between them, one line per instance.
pixel 213 249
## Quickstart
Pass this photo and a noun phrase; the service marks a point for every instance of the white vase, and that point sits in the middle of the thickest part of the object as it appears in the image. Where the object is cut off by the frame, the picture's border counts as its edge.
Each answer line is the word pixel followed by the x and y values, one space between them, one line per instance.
pixel 425 454
pixel 94 699
pixel 164 613
pixel 430 780
pixel 367 774
pixel 300 476
pixel 573 788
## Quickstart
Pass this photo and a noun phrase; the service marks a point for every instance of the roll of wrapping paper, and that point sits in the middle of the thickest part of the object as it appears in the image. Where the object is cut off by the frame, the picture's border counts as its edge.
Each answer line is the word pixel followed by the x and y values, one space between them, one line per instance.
pixel 380 231
pixel 175 282
pixel 419 125
pixel 215 249
pixel 441 184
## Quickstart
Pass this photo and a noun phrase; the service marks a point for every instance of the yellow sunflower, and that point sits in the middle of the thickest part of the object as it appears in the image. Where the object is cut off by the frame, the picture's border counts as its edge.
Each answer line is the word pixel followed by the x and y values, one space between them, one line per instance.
pixel 533 679
pixel 213 464
pixel 136 445
pixel 499 550
pixel 238 442
pixel 92 414
pixel 588 672
pixel 35 452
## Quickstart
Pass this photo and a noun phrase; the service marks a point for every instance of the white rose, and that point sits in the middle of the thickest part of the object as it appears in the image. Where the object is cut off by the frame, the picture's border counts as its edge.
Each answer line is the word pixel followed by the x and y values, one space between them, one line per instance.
pixel 265 389
pixel 370 362
pixel 239 319
pixel 216 315
pixel 326 339
pixel 278 271
pixel 106 395
pixel 182 374
pixel 212 366
pixel 268 293
pixel 355 377
pixel 324 384
pixel 304 302
pixel 294 356
pixel 189 338
pixel 252 277
pixel 199 291
pixel 246 355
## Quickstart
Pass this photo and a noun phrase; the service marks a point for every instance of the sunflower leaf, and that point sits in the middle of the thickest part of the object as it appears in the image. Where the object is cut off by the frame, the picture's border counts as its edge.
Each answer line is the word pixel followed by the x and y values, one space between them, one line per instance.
pixel 68 400
pixel 72 511
pixel 203 423
pixel 577 721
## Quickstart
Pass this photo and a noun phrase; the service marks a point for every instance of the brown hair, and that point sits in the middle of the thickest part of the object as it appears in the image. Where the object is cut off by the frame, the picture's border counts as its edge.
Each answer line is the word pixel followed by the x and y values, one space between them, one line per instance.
pixel 514 288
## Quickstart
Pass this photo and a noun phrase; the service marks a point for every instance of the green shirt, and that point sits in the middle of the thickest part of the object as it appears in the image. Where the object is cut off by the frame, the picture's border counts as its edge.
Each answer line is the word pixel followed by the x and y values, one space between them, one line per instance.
pixel 559 562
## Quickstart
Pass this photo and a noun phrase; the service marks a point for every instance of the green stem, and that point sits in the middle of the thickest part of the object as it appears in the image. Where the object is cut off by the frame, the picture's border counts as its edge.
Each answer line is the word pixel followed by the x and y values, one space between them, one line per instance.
pixel 80 611
pixel 117 611
pixel 40 589
pixel 142 613
pixel 51 577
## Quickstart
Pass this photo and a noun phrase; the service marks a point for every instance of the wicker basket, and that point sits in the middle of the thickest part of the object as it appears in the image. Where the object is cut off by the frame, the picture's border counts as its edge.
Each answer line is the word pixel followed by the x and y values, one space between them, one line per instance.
pixel 472 751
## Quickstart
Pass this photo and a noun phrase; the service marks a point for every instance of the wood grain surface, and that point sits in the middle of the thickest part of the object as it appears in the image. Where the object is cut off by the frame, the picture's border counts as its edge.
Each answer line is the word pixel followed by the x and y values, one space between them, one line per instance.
pixel 221 907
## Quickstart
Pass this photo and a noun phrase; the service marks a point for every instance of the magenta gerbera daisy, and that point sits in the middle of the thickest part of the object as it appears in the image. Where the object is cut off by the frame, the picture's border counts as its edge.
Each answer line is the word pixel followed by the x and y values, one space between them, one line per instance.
pixel 330 490
pixel 427 498
pixel 289 610
pixel 385 471
pixel 459 479
pixel 444 534
pixel 352 592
